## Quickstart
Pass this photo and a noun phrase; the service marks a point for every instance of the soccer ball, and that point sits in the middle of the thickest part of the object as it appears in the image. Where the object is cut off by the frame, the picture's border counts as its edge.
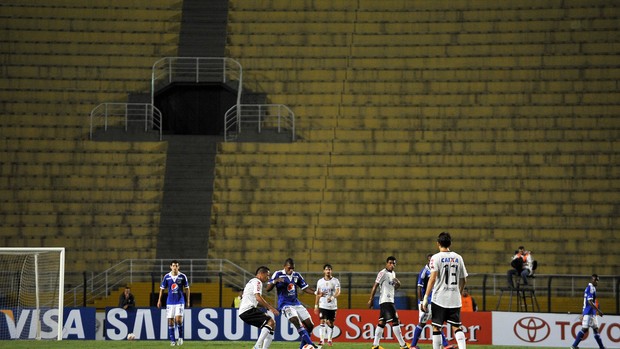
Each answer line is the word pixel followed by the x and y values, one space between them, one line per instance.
pixel 131 337
pixel 307 346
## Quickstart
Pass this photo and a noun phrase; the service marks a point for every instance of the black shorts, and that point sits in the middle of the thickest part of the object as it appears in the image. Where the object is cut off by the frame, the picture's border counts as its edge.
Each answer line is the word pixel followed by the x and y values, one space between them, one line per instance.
pixel 327 314
pixel 387 312
pixel 255 317
pixel 449 315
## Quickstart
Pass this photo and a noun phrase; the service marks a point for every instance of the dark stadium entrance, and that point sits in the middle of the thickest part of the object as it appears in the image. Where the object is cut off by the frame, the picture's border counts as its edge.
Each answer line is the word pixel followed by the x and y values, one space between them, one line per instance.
pixel 194 108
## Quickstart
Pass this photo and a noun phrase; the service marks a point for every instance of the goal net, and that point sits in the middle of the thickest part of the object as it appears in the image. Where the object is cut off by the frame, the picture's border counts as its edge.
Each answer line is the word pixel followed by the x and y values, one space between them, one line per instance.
pixel 31 293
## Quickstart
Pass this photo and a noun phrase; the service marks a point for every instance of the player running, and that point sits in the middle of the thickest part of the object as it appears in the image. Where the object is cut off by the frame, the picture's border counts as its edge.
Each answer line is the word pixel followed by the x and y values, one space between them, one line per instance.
pixel 250 313
pixel 286 282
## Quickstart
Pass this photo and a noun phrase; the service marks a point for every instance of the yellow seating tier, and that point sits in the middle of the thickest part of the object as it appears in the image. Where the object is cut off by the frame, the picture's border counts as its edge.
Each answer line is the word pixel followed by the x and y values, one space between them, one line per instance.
pixel 99 200
pixel 496 121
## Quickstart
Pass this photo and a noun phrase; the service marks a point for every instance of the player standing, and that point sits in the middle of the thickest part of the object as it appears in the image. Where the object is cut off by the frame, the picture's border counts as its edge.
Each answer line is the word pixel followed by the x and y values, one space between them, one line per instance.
pixel 447 280
pixel 424 317
pixel 175 283
pixel 387 283
pixel 249 312
pixel 286 282
pixel 590 310
pixel 326 303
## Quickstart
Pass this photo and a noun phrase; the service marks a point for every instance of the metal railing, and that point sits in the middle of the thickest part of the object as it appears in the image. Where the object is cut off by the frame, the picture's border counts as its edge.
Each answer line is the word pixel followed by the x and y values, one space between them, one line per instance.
pixel 485 288
pixel 142 270
pixel 168 70
pixel 122 114
pixel 549 288
pixel 196 70
pixel 265 116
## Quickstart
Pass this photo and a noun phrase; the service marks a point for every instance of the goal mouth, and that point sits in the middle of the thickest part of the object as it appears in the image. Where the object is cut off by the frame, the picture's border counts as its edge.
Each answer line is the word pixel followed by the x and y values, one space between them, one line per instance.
pixel 32 292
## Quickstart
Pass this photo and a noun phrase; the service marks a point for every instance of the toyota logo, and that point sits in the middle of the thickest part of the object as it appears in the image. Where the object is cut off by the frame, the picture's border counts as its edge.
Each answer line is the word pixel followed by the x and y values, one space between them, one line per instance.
pixel 532 329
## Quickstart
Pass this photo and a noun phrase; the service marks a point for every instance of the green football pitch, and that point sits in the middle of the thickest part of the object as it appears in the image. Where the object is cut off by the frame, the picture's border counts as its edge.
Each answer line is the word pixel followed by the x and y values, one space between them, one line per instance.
pixel 78 344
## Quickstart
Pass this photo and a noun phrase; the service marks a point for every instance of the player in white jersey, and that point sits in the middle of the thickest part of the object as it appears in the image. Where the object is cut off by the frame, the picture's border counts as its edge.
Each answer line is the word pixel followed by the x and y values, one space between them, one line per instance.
pixel 424 317
pixel 176 283
pixel 447 280
pixel 249 312
pixel 326 303
pixel 387 283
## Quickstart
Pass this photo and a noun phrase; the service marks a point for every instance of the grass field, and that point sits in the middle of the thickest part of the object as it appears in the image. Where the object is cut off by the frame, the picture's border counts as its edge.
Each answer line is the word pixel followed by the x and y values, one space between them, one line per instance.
pixel 77 344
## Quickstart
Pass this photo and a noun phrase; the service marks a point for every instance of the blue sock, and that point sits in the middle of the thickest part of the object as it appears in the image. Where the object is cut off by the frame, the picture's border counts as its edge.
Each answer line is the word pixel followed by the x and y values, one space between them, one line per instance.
pixel 305 337
pixel 444 341
pixel 598 339
pixel 416 334
pixel 180 326
pixel 171 333
pixel 578 339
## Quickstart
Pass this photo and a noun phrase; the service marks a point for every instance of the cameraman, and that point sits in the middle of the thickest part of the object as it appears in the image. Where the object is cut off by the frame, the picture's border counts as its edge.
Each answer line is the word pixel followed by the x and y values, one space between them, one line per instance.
pixel 522 264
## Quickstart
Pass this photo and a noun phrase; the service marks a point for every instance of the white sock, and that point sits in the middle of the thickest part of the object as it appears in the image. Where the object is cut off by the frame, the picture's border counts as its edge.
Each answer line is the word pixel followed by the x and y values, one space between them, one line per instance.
pixel 437 341
pixel 399 335
pixel 460 339
pixel 264 332
pixel 322 332
pixel 267 341
pixel 378 334
pixel 330 332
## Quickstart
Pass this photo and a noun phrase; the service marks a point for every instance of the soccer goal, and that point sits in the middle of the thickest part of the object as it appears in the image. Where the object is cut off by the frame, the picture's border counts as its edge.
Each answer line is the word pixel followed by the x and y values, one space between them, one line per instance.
pixel 31 292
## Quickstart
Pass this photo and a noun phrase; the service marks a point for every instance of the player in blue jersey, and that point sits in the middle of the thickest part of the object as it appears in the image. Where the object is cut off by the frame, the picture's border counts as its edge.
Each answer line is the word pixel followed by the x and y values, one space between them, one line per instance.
pixel 424 317
pixel 175 283
pixel 286 282
pixel 590 310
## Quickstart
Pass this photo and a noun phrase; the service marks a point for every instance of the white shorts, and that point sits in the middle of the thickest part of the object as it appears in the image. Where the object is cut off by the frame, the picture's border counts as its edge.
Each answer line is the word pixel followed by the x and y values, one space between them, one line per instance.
pixel 422 316
pixel 299 311
pixel 589 321
pixel 174 310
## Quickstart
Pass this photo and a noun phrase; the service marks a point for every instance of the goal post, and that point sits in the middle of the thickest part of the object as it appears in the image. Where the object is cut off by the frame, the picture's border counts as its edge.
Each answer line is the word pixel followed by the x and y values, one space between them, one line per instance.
pixel 32 292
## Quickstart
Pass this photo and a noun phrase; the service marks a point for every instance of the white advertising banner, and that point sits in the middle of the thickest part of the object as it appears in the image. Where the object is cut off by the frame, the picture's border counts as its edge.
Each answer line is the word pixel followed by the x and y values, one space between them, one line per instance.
pixel 551 330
